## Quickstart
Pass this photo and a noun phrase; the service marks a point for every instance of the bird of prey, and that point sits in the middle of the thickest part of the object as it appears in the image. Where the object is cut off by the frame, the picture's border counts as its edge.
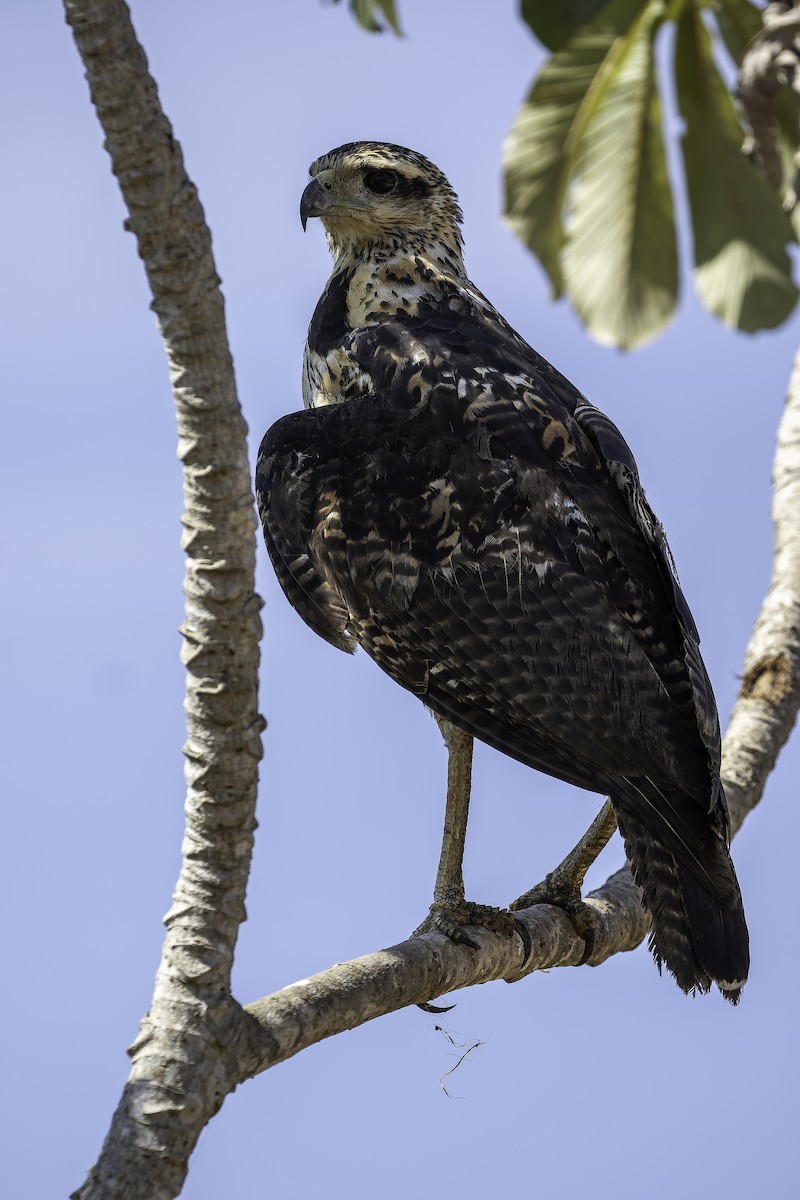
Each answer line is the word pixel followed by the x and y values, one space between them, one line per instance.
pixel 453 504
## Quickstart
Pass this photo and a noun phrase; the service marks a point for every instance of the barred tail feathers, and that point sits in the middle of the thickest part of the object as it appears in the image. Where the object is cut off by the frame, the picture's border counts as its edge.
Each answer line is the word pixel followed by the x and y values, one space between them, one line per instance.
pixel 698 927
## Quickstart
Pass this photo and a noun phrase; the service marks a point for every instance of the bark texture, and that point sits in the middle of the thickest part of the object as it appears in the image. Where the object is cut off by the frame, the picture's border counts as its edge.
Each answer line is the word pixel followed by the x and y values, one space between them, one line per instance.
pixel 182 1059
pixel 769 75
pixel 766 708
pixel 196 1043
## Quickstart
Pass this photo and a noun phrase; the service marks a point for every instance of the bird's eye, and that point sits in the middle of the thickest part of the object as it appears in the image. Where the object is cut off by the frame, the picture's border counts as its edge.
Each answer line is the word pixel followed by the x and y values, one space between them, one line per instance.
pixel 381 182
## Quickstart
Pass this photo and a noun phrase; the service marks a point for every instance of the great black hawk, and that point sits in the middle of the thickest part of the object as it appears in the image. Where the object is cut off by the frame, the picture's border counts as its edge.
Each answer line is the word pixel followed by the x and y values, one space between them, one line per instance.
pixel 453 504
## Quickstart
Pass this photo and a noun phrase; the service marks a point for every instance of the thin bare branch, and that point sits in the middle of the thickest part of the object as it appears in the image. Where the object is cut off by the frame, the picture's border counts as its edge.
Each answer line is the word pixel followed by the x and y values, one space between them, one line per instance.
pixel 766 709
pixel 350 994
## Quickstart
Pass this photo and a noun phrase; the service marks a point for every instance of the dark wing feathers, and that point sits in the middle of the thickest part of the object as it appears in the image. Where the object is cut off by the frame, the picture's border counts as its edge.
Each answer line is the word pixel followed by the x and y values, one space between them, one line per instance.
pixel 485 483
pixel 544 429
pixel 288 505
pixel 481 530
pixel 615 452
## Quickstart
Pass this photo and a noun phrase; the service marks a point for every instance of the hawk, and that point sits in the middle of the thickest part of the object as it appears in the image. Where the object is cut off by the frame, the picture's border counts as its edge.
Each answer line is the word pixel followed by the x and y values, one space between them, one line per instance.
pixel 452 503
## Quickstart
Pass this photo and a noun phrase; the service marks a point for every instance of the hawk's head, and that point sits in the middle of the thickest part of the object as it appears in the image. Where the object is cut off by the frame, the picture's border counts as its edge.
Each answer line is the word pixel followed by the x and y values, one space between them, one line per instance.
pixel 372 194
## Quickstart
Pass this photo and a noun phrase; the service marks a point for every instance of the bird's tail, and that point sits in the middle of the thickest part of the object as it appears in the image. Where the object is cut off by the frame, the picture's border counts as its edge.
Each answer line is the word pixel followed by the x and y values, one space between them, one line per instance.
pixel 689 888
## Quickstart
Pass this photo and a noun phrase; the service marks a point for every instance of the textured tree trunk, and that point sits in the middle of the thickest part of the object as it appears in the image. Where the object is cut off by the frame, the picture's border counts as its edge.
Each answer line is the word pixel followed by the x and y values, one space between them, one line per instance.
pixel 185 1055
pixel 196 1043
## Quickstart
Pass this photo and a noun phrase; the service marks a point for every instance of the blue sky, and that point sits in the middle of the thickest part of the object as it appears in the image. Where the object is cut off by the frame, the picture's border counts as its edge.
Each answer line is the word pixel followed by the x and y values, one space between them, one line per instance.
pixel 587 1080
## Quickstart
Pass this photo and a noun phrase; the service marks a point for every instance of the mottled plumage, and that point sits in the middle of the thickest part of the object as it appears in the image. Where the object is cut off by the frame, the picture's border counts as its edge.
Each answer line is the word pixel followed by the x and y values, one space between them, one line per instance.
pixel 473 522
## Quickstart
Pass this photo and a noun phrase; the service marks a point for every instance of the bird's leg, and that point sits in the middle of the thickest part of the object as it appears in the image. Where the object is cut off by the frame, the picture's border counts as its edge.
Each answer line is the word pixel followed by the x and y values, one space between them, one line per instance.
pixel 562 886
pixel 450 911
pixel 449 886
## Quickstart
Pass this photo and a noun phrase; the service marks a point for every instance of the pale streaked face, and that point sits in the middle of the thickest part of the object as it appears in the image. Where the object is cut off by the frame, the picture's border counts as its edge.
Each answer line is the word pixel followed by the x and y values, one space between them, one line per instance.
pixel 372 192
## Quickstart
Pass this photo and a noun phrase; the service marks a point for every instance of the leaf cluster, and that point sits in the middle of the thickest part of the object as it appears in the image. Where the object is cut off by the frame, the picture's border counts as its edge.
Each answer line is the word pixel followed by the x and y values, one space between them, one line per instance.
pixel 587 181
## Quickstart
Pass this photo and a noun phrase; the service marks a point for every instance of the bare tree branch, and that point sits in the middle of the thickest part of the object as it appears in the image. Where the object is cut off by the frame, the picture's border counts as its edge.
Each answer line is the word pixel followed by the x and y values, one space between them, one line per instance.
pixel 766 708
pixel 182 1059
pixel 350 994
pixel 196 1043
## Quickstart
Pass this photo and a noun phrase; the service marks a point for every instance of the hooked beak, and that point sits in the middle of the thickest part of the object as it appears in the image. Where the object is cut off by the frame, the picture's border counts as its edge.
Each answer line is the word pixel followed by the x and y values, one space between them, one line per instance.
pixel 316 198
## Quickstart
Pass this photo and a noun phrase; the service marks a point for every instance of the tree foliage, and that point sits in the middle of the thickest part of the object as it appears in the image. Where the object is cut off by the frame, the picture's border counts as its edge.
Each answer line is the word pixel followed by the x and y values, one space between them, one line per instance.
pixel 609 239
pixel 587 185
